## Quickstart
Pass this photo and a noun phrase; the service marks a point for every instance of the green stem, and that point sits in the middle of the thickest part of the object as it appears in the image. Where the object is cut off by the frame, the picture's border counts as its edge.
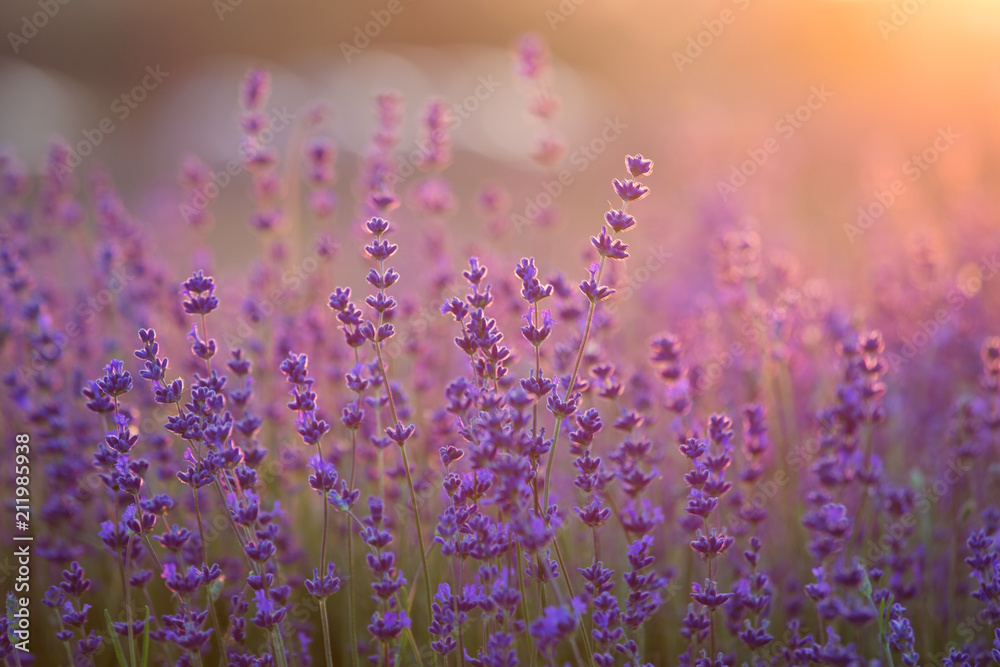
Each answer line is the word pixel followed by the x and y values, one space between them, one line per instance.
pixel 278 646
pixel 208 590
pixel 350 542
pixel 322 573
pixel 461 633
pixel 128 601
pixel 524 600
pixel 409 484
pixel 569 390
pixel 326 631
pixel 867 437
pixel 69 651
pixel 572 384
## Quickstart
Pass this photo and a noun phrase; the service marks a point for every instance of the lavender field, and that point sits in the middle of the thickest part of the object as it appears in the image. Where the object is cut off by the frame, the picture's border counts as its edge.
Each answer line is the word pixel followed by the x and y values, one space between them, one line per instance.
pixel 512 366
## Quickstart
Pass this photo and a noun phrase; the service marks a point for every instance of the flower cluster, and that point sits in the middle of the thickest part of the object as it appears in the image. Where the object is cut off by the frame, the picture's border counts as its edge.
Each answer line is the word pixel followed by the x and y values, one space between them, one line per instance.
pixel 769 484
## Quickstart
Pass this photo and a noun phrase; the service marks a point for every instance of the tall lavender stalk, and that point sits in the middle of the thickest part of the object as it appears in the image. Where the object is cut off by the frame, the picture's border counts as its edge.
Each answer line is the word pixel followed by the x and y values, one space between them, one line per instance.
pixel 377 332
pixel 609 247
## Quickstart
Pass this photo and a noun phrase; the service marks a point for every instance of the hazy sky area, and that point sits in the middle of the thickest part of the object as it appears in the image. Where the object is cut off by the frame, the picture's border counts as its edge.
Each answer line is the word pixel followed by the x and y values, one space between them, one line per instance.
pixel 797 113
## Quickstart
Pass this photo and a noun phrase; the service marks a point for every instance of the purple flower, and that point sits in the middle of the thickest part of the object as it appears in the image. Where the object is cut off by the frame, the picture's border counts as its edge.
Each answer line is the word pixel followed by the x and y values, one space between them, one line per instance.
pixel 531 56
pixel 116 380
pixel 555 624
pixel 256 89
pixel 199 292
pixel 386 626
pixel 324 476
pixel 592 290
pixel 619 220
pixel 709 595
pixel 637 165
pixel 630 190
pixel 323 586
pixel 608 246
pixel 269 614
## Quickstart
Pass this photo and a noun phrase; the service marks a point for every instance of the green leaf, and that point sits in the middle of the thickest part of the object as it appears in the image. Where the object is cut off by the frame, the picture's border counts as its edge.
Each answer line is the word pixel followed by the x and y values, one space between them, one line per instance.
pixel 145 640
pixel 967 510
pixel 413 645
pixel 114 639
pixel 866 586
pixel 338 503
pixel 215 589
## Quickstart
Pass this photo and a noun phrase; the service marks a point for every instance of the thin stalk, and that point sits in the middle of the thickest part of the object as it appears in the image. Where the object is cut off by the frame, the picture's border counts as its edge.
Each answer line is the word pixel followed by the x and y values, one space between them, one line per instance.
pixel 569 391
pixel 350 545
pixel 322 572
pixel 867 436
pixel 711 611
pixel 409 484
pixel 413 644
pixel 538 370
pixel 569 587
pixel 123 570
pixel 123 566
pixel 208 591
pixel 69 651
pixel 326 631
pixel 278 647
pixel 236 529
pixel 204 331
pixel 524 601
pixel 420 537
pixel 156 562
pixel 461 633
pixel 350 596
pixel 572 379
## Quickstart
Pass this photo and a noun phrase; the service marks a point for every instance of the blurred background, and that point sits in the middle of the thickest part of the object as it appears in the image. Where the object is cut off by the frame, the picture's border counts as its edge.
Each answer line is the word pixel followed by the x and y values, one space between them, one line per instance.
pixel 840 97
pixel 859 138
